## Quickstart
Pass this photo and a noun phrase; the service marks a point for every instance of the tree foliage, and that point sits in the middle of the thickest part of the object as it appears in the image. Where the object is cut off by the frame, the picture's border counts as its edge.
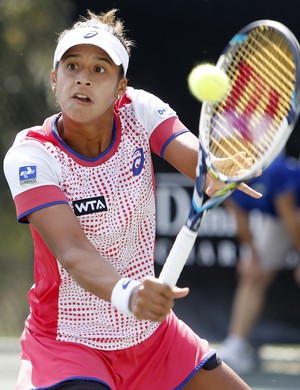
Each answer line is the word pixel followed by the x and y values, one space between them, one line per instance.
pixel 28 33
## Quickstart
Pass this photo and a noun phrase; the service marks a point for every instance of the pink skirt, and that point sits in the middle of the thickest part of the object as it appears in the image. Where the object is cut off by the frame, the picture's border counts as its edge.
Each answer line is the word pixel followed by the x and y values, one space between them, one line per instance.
pixel 166 360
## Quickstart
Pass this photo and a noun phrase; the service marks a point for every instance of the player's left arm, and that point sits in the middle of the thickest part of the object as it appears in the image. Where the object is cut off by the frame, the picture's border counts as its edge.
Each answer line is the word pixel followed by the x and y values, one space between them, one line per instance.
pixel 182 154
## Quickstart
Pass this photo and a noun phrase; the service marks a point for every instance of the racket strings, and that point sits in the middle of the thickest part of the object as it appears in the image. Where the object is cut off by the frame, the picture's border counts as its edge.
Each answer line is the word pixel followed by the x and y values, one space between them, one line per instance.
pixel 275 50
pixel 257 88
pixel 270 63
pixel 262 74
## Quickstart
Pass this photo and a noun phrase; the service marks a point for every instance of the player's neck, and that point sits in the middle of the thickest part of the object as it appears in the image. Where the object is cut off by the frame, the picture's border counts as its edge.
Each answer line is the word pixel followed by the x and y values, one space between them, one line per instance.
pixel 87 140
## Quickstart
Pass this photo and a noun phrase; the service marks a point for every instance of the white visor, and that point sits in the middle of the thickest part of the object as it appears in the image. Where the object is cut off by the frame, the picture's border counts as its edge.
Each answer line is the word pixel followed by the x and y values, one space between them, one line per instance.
pixel 93 36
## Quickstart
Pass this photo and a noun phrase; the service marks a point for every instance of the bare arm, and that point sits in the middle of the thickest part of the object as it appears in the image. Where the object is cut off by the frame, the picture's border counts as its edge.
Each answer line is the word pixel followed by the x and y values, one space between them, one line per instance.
pixel 64 236
pixel 287 211
pixel 182 153
pixel 244 233
pixel 249 266
pixel 242 221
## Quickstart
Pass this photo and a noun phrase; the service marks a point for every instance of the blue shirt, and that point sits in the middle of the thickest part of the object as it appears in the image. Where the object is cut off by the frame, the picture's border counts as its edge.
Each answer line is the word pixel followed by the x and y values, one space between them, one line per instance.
pixel 282 176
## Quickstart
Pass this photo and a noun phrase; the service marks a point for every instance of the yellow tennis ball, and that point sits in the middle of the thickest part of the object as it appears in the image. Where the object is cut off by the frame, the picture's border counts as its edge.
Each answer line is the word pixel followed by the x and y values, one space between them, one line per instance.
pixel 208 83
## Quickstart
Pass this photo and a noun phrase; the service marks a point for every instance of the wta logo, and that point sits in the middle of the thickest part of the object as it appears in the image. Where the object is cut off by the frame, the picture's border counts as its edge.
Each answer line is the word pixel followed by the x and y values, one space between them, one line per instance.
pixel 89 205
pixel 138 161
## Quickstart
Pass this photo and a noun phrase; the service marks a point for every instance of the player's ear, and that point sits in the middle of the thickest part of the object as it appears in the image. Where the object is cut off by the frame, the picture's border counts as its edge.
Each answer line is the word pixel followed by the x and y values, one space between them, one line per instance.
pixel 53 80
pixel 121 88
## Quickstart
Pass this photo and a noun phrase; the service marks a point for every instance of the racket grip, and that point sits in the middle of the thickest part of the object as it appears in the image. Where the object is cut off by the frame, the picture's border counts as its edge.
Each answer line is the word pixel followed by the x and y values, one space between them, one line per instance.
pixel 178 256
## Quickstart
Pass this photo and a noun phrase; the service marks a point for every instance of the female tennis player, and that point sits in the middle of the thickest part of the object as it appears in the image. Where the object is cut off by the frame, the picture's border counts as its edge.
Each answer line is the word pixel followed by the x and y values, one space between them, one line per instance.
pixel 83 180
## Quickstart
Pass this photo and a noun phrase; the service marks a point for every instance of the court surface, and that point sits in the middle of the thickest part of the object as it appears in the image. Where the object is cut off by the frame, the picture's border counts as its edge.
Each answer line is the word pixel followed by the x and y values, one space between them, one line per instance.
pixel 280 367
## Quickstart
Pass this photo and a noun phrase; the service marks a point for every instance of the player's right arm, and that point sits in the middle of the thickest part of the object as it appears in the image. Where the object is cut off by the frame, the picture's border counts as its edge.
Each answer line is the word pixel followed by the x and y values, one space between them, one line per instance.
pixel 61 231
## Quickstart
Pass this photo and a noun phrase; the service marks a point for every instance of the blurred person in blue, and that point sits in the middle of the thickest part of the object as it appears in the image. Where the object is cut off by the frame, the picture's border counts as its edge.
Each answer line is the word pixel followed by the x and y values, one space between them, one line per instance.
pixel 262 255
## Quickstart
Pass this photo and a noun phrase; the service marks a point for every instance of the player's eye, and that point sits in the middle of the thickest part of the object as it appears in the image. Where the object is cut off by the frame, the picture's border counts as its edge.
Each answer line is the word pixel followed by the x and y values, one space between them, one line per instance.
pixel 72 66
pixel 99 69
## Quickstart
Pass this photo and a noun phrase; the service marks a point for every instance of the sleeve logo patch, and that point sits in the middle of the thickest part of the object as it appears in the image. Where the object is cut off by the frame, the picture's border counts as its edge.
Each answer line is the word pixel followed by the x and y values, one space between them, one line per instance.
pixel 27 174
pixel 163 111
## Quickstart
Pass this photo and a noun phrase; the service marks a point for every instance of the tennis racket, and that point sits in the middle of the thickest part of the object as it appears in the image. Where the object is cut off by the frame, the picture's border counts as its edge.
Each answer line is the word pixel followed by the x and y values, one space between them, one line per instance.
pixel 254 120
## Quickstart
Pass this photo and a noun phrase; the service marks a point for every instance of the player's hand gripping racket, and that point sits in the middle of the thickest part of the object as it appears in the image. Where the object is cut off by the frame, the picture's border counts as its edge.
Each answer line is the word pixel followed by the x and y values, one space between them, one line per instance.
pixel 256 117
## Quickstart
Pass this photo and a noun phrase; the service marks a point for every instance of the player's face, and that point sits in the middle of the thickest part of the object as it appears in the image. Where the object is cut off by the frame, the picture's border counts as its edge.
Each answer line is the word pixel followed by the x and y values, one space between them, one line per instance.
pixel 87 83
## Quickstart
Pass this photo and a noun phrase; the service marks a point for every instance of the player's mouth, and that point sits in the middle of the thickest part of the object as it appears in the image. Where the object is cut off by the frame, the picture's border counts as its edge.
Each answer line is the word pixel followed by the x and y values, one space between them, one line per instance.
pixel 81 97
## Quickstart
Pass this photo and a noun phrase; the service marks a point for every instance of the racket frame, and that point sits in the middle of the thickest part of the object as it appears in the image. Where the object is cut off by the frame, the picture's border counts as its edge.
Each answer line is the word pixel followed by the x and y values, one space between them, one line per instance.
pixel 185 239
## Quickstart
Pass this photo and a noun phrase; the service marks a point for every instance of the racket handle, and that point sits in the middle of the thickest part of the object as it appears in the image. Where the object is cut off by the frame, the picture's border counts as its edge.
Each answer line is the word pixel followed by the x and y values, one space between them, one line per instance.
pixel 178 256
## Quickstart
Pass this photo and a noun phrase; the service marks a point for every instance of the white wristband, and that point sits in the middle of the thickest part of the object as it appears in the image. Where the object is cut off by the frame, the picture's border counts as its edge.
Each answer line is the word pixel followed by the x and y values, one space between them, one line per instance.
pixel 121 293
